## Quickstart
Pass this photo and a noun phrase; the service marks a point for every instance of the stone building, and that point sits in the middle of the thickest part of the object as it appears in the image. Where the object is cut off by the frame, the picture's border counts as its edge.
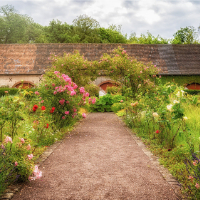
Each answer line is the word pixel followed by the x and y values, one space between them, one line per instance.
pixel 28 62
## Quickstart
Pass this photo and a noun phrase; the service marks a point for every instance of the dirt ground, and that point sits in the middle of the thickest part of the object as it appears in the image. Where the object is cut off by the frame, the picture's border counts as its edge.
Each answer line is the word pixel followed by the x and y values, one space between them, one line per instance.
pixel 99 160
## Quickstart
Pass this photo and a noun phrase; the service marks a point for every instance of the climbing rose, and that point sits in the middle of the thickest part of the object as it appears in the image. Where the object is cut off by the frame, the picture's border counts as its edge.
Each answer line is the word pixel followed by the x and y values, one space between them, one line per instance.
pixel 72 93
pixel 94 101
pixel 43 108
pixel 66 112
pixel 8 139
pixel 62 101
pixel 30 156
pixel 82 90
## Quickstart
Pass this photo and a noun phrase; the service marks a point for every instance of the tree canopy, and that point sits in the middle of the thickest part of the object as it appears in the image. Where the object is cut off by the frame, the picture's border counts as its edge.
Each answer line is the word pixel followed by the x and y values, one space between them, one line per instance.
pixel 18 28
pixel 187 35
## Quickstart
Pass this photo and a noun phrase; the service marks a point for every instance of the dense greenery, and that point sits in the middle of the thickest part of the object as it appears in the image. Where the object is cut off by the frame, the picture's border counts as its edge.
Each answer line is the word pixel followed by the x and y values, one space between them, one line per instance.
pixel 18 28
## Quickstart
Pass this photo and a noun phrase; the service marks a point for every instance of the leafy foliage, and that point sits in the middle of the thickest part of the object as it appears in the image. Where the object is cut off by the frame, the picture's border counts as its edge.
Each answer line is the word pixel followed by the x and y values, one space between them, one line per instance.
pixel 186 35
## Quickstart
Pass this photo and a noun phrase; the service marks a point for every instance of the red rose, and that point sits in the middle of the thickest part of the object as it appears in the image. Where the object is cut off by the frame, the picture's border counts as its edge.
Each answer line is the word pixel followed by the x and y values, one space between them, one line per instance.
pixel 47 126
pixel 52 109
pixel 43 108
pixel 35 107
pixel 157 131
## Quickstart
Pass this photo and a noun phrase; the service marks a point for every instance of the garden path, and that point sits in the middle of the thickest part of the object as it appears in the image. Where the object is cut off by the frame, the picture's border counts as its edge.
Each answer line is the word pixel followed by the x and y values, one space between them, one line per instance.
pixel 99 160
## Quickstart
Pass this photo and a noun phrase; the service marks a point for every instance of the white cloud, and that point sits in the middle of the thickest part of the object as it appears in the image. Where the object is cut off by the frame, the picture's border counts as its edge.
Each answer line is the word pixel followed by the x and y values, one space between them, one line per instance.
pixel 158 16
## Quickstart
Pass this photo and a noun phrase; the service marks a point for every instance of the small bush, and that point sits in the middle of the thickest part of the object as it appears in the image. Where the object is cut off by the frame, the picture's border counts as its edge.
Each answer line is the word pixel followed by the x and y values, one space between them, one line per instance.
pixel 117 107
pixel 92 89
pixel 113 90
pixel 11 91
pixel 193 92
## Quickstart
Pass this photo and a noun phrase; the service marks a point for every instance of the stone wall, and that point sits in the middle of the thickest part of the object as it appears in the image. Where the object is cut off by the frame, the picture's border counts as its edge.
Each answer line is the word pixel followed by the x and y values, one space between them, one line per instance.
pixel 13 80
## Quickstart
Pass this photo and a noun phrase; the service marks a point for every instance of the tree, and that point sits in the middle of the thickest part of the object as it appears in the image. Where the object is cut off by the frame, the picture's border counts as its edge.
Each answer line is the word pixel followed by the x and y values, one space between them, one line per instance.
pixel 108 35
pixel 58 32
pixel 87 29
pixel 187 35
pixel 17 28
pixel 146 39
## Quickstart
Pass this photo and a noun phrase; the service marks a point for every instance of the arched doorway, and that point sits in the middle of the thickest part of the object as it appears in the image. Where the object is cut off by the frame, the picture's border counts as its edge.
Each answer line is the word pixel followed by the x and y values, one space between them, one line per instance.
pixel 106 84
pixel 193 86
pixel 24 84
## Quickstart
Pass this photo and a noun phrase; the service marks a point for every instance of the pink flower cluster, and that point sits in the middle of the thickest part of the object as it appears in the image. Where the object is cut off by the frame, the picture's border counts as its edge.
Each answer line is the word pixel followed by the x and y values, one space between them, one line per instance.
pixel 36 174
pixel 93 101
pixel 8 139
pixel 30 156
pixel 70 86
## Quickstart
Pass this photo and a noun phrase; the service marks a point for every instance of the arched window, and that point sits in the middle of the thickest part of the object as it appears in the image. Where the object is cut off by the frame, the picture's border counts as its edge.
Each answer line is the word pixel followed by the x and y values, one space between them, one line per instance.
pixel 106 84
pixel 24 84
pixel 193 86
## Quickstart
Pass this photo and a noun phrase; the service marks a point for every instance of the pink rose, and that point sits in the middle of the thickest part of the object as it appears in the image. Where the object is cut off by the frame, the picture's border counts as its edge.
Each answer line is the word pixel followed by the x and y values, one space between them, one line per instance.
pixel 72 93
pixel 84 115
pixel 66 112
pixel 22 140
pixel 16 163
pixel 30 156
pixel 28 147
pixel 94 101
pixel 37 93
pixel 8 139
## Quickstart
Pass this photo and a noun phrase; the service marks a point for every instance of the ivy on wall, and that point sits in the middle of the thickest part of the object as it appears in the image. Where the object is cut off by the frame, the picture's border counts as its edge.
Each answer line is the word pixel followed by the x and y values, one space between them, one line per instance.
pixel 181 80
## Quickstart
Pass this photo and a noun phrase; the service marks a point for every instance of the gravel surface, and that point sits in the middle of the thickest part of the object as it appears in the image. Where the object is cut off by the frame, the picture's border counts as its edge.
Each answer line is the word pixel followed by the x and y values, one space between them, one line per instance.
pixel 99 160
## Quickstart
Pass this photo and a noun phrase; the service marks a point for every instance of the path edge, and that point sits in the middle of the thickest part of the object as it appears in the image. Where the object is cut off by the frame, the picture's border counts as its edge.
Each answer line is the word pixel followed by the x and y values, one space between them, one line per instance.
pixel 172 181
pixel 13 189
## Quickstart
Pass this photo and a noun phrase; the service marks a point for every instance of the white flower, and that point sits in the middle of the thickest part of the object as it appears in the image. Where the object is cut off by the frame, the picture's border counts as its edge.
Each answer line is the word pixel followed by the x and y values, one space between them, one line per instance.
pixel 155 114
pixel 169 107
pixel 185 118
pixel 175 101
pixel 180 93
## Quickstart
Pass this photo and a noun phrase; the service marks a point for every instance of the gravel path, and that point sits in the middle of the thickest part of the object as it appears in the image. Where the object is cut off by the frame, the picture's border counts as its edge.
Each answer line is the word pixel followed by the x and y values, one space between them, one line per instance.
pixel 100 160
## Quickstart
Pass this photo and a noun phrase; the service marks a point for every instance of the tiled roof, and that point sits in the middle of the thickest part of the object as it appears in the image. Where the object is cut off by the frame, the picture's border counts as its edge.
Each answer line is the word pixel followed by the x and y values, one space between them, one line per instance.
pixel 34 58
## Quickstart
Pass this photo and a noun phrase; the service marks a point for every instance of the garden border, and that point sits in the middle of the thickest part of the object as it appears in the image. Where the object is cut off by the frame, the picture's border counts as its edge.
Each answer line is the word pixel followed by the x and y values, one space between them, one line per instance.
pixel 12 189
pixel 174 184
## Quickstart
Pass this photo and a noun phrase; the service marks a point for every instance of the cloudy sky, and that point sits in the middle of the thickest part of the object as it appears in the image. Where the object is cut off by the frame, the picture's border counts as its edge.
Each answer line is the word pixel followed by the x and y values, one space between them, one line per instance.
pixel 159 17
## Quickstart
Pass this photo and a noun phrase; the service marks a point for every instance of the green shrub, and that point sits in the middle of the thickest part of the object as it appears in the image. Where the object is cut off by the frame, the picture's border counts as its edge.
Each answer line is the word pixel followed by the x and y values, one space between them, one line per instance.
pixel 104 103
pixel 193 92
pixel 117 107
pixel 11 91
pixel 92 89
pixel 113 90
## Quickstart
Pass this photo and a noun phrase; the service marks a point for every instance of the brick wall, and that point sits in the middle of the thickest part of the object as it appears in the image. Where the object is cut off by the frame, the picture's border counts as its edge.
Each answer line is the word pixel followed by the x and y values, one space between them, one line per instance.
pixel 33 58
